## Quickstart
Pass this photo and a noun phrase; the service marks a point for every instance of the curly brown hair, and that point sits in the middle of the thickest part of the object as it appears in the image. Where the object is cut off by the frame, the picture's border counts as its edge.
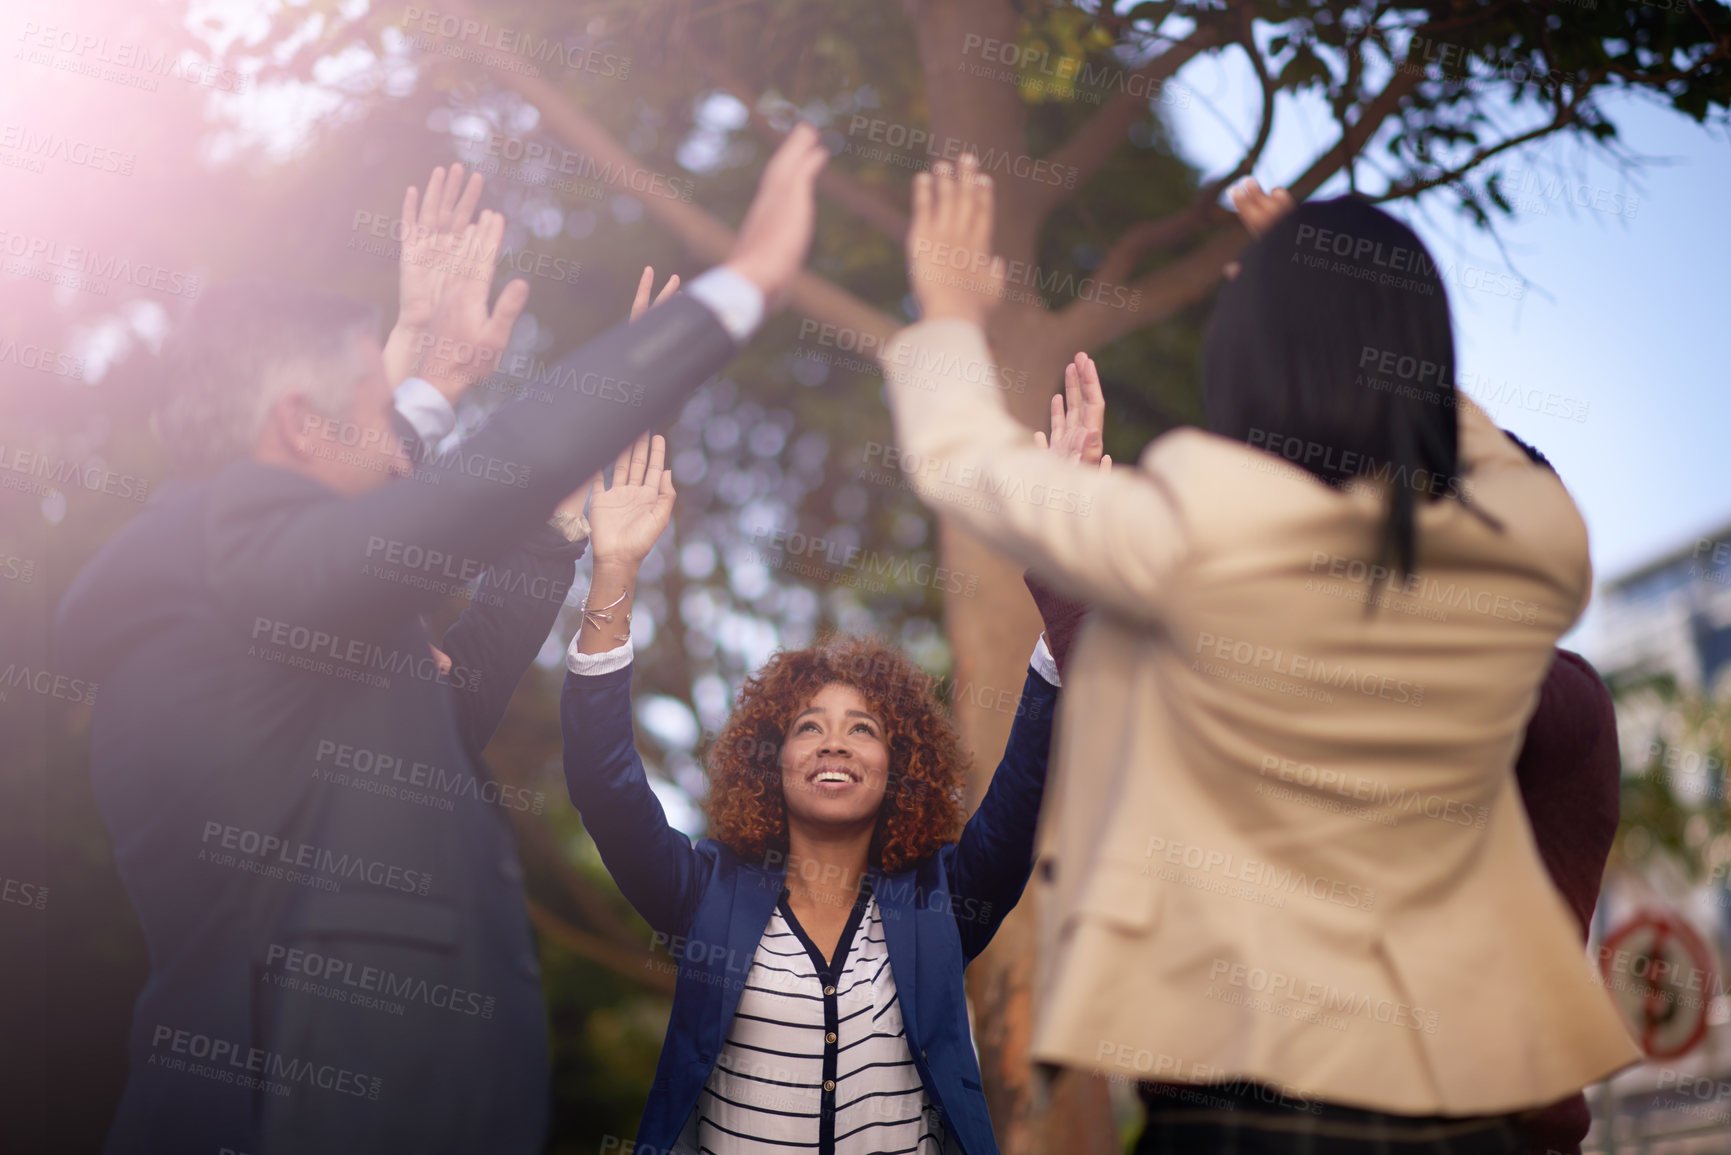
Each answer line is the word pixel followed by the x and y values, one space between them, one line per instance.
pixel 922 807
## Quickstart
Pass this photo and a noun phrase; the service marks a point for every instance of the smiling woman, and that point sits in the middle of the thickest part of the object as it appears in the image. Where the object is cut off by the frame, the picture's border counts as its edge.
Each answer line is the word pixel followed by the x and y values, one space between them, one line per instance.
pixel 822 929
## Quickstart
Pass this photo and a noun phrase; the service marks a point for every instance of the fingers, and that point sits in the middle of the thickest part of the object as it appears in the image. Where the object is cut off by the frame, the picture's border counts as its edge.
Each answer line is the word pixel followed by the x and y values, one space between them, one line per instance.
pixel 639 459
pixel 1057 408
pixel 411 207
pixel 1040 440
pixel 622 467
pixel 471 197
pixel 429 218
pixel 667 290
pixel 506 310
pixel 653 474
pixel 1072 395
pixel 640 303
pixel 1105 463
pixel 453 188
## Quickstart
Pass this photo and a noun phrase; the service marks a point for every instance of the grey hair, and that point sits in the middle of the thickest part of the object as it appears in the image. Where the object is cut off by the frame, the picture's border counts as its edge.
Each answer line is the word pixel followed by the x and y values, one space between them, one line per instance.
pixel 245 348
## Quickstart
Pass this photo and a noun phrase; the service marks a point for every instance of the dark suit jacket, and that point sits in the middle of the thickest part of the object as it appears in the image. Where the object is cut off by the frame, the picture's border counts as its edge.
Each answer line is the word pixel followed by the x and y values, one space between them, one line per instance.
pixel 710 907
pixel 340 955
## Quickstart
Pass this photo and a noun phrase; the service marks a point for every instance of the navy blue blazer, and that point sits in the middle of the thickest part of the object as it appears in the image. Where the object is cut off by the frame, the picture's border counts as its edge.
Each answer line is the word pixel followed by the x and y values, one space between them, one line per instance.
pixel 340 952
pixel 710 907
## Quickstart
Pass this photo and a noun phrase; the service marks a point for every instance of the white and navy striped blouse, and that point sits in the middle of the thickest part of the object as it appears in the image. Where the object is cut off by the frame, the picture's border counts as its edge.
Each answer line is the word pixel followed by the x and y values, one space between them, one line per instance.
pixel 816 1059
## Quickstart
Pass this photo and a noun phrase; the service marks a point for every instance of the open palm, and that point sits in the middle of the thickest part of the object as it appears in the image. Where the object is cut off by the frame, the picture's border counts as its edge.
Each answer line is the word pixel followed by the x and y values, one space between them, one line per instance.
pixel 626 520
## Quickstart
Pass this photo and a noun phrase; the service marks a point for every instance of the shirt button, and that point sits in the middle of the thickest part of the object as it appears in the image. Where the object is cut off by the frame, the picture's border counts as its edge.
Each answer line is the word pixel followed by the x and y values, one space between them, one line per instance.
pixel 829 1038
pixel 829 1084
pixel 829 990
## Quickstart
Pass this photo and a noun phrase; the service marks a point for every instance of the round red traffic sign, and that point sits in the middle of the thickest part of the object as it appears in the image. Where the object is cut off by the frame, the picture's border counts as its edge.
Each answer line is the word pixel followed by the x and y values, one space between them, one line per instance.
pixel 1662 978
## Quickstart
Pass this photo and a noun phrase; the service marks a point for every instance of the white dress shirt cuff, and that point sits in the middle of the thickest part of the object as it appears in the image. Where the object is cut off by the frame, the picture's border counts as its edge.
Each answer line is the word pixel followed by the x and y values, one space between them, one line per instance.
pixel 1044 663
pixel 735 301
pixel 603 663
pixel 426 409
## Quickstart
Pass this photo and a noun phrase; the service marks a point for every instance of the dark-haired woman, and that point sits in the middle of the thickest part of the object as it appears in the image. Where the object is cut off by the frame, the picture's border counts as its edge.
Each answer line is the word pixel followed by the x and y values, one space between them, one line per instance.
pixel 1287 882
pixel 821 929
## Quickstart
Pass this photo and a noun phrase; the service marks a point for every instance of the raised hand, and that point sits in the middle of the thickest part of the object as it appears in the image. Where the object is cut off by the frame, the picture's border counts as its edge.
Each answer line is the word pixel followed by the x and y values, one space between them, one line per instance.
pixel 626 520
pixel 1257 209
pixel 950 262
pixel 433 232
pixel 645 283
pixel 1079 416
pixel 776 234
pixel 445 331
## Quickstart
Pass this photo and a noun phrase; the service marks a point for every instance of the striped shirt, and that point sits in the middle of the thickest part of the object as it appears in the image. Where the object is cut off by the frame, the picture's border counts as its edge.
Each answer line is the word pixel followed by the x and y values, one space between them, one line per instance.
pixel 816 1058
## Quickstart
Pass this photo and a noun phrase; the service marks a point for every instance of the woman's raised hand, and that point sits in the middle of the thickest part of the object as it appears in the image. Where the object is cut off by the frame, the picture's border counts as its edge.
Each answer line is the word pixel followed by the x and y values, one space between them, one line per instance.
pixel 1079 416
pixel 626 520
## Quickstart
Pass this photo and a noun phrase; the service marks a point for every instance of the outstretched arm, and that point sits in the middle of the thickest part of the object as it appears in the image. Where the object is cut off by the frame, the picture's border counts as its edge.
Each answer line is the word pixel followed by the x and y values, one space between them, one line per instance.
pixel 654 864
pixel 304 563
pixel 995 854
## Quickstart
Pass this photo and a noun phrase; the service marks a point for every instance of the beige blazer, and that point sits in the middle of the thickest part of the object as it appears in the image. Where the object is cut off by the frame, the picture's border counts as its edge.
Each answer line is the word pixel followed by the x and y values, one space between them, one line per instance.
pixel 1283 839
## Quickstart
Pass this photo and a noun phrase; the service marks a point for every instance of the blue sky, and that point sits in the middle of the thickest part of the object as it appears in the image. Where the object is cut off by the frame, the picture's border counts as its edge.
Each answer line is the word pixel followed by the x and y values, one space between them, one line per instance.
pixel 1624 316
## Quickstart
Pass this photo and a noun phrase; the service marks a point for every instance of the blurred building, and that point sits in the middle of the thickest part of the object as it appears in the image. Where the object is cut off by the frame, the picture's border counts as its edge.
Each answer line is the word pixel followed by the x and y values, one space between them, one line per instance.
pixel 1671 615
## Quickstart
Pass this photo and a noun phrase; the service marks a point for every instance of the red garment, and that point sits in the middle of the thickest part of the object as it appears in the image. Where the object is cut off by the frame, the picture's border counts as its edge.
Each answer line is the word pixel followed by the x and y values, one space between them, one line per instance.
pixel 1570 775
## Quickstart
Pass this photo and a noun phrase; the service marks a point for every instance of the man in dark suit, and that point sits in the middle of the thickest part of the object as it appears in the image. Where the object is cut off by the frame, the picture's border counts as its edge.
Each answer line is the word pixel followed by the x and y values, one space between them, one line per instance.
pixel 340 954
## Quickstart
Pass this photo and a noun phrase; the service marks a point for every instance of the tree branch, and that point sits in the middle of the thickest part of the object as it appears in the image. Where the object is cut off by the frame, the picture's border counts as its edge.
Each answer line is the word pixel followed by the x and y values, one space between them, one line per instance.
pixel 706 238
pixel 839 186
pixel 1092 144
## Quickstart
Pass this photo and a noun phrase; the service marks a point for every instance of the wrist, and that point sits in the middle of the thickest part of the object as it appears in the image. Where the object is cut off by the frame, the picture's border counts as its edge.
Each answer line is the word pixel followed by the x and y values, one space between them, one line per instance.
pixel 614 568
pixel 765 283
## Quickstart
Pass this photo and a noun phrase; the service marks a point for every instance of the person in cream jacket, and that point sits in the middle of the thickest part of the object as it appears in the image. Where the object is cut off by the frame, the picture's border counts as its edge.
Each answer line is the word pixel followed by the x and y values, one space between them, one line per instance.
pixel 1282 842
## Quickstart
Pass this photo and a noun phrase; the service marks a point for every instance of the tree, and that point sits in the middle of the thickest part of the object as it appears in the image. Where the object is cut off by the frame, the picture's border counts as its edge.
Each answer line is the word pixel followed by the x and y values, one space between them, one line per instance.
pixel 628 110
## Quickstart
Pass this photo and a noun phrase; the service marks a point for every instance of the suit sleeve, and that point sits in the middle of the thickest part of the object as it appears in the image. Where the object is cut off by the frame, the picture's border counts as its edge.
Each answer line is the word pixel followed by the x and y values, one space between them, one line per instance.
pixel 508 618
pixel 1107 539
pixel 307 562
pixel 654 865
pixel 995 853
